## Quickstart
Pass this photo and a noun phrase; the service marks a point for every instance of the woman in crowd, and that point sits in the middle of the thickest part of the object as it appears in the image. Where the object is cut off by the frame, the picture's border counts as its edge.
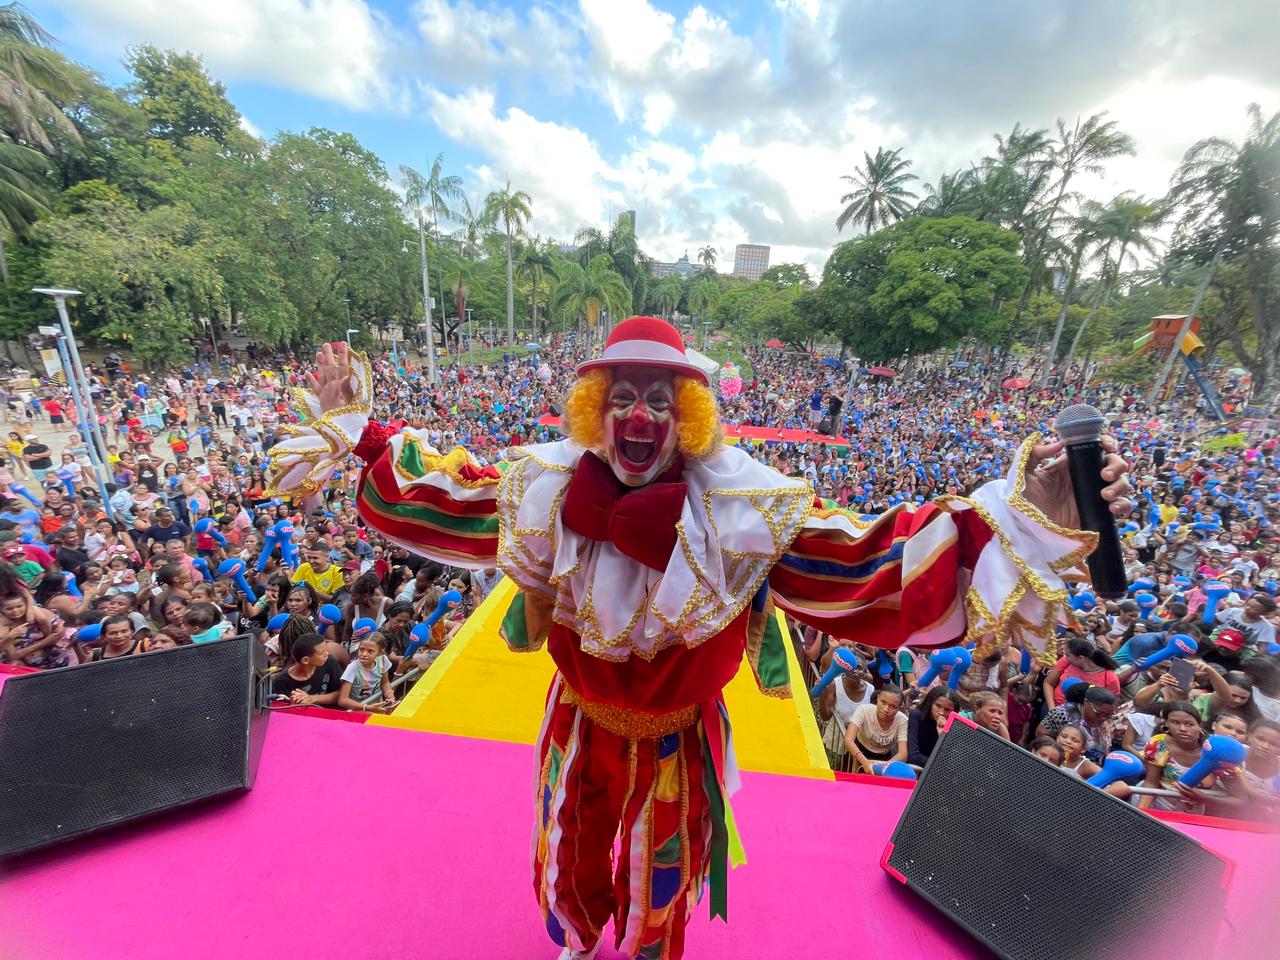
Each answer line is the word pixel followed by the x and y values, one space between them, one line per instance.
pixel 925 723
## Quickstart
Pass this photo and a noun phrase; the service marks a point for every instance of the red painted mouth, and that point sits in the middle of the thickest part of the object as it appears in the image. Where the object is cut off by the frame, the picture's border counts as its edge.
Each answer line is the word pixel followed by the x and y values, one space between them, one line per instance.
pixel 636 446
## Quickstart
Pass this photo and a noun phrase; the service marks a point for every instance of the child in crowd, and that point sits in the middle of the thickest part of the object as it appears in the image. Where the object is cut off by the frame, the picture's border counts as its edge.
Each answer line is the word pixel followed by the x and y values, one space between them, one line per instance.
pixel 1171 754
pixel 1072 742
pixel 311 678
pixel 370 671
pixel 1047 749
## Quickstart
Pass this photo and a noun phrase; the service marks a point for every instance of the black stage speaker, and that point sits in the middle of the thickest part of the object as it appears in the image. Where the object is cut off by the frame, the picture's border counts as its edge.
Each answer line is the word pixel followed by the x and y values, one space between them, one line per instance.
pixel 92 746
pixel 1039 865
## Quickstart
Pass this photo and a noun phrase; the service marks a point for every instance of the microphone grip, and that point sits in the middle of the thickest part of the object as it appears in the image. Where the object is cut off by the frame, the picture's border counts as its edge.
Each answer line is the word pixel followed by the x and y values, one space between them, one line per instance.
pixel 1106 566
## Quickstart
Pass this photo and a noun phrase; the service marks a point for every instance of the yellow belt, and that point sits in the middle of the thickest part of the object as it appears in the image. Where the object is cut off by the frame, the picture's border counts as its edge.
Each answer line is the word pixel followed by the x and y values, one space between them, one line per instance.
pixel 631 724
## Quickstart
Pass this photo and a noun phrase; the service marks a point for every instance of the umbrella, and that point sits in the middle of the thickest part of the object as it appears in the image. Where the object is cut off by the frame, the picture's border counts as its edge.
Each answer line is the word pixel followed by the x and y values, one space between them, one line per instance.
pixel 881 372
pixel 774 344
pixel 830 362
pixel 533 346
pixel 1016 383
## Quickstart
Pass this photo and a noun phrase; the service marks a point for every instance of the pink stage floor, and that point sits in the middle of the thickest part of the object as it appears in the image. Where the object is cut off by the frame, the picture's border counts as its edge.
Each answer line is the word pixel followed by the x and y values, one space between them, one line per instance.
pixel 382 843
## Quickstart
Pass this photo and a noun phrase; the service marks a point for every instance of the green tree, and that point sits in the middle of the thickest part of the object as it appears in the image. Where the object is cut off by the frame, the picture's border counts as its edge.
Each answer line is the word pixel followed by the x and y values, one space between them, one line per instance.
pixel 34 81
pixel 179 98
pixel 668 293
pixel 787 275
pixel 1229 200
pixel 951 196
pixel 1125 224
pixel 430 197
pixel 145 275
pixel 1079 149
pixel 538 261
pixel 707 257
pixel 584 291
pixel 918 286
pixel 474 224
pixel 879 195
pixel 703 295
pixel 511 207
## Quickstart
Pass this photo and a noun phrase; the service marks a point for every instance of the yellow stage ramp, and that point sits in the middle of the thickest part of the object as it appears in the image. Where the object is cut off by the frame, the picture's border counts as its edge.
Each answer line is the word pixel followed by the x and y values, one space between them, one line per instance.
pixel 478 688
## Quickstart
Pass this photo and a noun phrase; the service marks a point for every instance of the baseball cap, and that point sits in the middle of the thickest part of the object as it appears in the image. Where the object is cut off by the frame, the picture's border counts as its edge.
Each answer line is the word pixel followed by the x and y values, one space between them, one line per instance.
pixel 1230 640
pixel 32 436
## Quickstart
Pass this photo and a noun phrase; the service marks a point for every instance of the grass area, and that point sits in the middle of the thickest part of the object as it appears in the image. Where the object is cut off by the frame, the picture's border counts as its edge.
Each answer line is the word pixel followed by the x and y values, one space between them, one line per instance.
pixel 718 351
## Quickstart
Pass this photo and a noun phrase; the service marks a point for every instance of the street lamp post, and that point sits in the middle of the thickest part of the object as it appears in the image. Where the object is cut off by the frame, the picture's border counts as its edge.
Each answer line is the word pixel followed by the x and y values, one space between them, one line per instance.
pixel 350 331
pixel 80 390
pixel 426 302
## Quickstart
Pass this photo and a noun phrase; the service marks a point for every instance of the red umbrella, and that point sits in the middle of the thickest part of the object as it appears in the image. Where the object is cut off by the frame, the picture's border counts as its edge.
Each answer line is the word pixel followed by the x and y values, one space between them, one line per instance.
pixel 881 372
pixel 774 344
pixel 1016 383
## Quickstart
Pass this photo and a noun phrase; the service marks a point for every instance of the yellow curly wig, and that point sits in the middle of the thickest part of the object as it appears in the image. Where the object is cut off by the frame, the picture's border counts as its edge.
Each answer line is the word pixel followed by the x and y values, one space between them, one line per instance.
pixel 698 430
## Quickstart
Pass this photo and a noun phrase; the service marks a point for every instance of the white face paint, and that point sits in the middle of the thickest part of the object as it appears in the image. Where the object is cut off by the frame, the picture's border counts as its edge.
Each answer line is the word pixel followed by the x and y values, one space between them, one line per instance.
pixel 640 424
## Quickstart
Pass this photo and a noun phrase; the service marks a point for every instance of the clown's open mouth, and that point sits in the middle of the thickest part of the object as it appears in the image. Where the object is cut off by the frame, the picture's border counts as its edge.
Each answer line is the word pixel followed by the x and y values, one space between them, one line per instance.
pixel 637 453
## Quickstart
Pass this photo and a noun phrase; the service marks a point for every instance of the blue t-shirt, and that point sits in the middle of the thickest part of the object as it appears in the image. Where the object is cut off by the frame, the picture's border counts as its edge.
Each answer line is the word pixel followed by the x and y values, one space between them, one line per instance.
pixel 28 520
pixel 1138 647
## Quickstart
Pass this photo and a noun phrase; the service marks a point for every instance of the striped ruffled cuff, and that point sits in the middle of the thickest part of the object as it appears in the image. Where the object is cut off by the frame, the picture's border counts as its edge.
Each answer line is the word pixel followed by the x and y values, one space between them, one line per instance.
pixel 1018 588
pixel 302 464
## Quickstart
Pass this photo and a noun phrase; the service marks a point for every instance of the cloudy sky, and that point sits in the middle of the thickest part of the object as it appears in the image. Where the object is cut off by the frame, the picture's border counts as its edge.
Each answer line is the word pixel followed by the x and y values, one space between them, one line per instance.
pixel 720 122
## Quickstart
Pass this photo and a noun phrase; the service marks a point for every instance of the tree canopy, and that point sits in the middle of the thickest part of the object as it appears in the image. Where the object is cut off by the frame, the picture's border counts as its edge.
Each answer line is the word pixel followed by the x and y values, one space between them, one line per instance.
pixel 919 285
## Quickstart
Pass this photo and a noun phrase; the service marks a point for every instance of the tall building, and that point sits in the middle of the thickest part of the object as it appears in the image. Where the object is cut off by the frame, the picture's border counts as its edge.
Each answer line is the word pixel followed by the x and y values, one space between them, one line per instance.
pixel 750 260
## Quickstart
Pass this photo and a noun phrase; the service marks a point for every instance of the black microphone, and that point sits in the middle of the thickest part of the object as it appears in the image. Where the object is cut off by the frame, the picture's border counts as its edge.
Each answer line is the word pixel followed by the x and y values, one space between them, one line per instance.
pixel 1080 427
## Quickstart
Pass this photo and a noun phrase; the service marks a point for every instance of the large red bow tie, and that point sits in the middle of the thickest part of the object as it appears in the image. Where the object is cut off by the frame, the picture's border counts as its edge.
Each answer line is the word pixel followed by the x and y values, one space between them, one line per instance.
pixel 640 522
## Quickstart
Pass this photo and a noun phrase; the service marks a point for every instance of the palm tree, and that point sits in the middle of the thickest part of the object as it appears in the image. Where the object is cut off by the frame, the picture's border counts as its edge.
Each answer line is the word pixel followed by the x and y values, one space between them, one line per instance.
pixel 1084 234
pixel 474 224
pixel 1229 195
pixel 584 291
pixel 33 79
pixel 879 195
pixel 431 194
pixel 704 295
pixel 707 257
pixel 668 294
pixel 952 196
pixel 1124 222
pixel 538 260
pixel 1082 149
pixel 22 193
pixel 591 243
pixel 512 208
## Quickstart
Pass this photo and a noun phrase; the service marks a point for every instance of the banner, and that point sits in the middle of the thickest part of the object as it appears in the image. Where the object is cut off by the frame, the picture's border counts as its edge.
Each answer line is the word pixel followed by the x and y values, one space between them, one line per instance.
pixel 53 365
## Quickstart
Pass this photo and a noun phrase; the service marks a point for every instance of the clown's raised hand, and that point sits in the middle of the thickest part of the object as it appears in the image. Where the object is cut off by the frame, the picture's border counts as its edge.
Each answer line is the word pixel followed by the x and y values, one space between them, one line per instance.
pixel 1048 484
pixel 331 383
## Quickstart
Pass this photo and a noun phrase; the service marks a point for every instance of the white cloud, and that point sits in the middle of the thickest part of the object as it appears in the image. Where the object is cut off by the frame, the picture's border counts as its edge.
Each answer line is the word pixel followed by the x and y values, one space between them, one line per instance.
pixel 469 43
pixel 557 165
pixel 658 110
pixel 249 127
pixel 333 49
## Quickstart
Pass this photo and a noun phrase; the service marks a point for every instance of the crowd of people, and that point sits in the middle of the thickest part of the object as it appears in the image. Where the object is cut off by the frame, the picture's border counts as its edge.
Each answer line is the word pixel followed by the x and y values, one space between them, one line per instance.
pixel 93 571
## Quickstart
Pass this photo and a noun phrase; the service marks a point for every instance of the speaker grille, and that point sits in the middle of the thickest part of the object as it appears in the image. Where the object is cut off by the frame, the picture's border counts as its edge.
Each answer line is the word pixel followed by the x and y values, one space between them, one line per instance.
pixel 89 746
pixel 1039 865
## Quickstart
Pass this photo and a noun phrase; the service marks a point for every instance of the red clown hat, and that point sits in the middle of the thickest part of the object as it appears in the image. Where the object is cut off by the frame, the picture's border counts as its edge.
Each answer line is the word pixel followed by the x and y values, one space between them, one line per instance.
pixel 646 342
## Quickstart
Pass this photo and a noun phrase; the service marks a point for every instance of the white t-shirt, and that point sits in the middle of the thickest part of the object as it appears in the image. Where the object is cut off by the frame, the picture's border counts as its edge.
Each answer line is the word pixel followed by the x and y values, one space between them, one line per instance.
pixel 365 681
pixel 846 705
pixel 885 741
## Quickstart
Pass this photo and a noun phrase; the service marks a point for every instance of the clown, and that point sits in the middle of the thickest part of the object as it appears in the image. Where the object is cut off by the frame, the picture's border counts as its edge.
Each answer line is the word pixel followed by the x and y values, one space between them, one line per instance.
pixel 649 556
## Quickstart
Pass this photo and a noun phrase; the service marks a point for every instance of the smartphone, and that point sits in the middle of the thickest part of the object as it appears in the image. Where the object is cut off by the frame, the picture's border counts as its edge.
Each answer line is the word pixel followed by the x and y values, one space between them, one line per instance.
pixel 1184 672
